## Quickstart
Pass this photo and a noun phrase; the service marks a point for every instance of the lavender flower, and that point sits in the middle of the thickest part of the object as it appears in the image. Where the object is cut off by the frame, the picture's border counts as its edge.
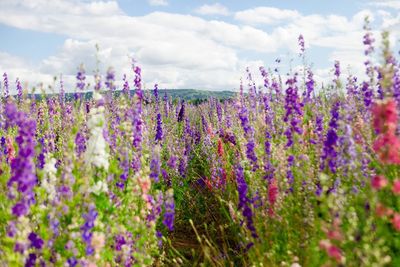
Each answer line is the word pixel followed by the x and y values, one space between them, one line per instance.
pixel 244 201
pixel 159 130
pixel 6 88
pixel 110 79
pixel 249 134
pixel 62 91
pixel 155 165
pixel 86 228
pixel 166 104
pixel 310 83
pixel 126 89
pixel 81 77
pixel 19 89
pixel 22 167
pixel 368 39
pixel 169 205
pixel 337 73
pixel 329 153
pixel 181 114
pixel 36 241
pixel 137 117
pixel 301 44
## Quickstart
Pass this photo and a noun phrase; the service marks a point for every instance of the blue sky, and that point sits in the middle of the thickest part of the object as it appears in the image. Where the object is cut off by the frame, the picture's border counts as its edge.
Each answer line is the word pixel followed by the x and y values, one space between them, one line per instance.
pixel 185 44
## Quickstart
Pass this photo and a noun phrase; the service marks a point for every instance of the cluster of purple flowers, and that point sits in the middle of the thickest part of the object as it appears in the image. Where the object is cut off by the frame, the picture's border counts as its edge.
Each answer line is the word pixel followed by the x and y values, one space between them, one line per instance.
pixel 301 44
pixel 244 202
pixel 6 86
pixel 86 228
pixel 293 110
pixel 329 153
pixel 249 134
pixel 22 167
pixel 137 118
pixel 169 214
pixel 159 130
pixel 81 77
pixel 181 113
pixel 110 79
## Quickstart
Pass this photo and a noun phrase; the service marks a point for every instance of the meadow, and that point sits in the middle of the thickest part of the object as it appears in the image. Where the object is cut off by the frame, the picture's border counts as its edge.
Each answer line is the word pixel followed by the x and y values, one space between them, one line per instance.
pixel 291 174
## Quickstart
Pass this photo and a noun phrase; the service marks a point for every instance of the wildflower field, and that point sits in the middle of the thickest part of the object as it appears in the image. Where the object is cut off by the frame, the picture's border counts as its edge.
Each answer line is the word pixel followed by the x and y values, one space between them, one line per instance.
pixel 291 174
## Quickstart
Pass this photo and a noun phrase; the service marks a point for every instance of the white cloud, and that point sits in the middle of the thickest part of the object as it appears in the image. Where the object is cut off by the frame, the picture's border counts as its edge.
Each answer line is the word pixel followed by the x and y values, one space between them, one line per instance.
pixel 266 15
pixel 395 4
pixel 175 50
pixel 214 9
pixel 158 2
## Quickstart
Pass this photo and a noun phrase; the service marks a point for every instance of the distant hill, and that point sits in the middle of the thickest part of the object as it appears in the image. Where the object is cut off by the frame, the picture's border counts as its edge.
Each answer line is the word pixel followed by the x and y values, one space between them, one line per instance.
pixel 192 94
pixel 185 94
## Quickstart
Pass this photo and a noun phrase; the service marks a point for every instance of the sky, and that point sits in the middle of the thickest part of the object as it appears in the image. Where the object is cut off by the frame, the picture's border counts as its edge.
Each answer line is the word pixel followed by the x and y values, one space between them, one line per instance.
pixel 185 43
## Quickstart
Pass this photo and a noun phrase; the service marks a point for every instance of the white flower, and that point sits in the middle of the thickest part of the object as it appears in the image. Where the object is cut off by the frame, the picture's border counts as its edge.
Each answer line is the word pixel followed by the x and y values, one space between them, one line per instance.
pixel 50 178
pixel 99 187
pixel 96 152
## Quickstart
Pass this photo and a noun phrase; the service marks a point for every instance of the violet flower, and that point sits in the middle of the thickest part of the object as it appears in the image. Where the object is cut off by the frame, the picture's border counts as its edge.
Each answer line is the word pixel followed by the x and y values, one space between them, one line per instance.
pixel 110 79
pixel 81 77
pixel 329 153
pixel 22 167
pixel 87 227
pixel 126 89
pixel 244 201
pixel 6 87
pixel 169 205
pixel 181 114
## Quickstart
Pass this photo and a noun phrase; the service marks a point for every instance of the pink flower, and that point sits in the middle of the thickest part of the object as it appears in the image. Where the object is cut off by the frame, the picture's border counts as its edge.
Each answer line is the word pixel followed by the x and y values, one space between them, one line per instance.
pixel 385 116
pixel 378 182
pixel 10 149
pixel 220 148
pixel 272 196
pixel 381 210
pixel 335 253
pixel 396 187
pixel 334 235
pixel 396 221
pixel 387 146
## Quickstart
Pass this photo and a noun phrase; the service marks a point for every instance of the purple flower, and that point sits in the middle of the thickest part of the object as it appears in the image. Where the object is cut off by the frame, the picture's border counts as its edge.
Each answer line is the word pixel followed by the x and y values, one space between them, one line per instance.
pixel 159 130
pixel 31 260
pixel 110 79
pixel 367 94
pixel 244 202
pixel 155 165
pixel 19 89
pixel 72 262
pixel 337 70
pixel 119 242
pixel 251 155
pixel 36 241
pixel 301 44
pixel 155 93
pixel 293 111
pixel 80 142
pixel 6 88
pixel 87 227
pixel 329 153
pixel 166 104
pixel 22 167
pixel 368 39
pixel 169 205
pixel 126 88
pixel 310 83
pixel 81 77
pixel 181 114
pixel 264 74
